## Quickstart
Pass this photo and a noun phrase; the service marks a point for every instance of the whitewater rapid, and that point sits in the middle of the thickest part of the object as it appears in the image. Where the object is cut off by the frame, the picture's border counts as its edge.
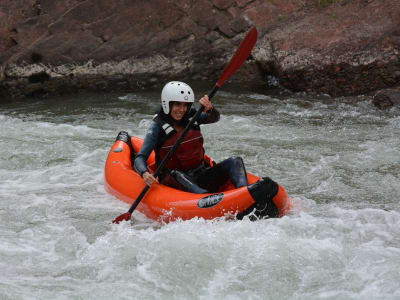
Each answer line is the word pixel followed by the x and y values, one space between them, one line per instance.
pixel 339 159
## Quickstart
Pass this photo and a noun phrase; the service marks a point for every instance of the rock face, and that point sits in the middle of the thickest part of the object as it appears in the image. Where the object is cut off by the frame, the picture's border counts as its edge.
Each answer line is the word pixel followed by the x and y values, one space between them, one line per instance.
pixel 345 49
pixel 339 47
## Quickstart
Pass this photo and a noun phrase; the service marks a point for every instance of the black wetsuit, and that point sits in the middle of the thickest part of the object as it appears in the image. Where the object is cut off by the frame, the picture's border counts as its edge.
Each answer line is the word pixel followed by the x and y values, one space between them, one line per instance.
pixel 201 179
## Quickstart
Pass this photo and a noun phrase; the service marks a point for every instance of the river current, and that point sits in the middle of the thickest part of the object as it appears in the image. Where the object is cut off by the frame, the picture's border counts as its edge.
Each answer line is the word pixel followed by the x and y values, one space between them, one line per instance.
pixel 338 158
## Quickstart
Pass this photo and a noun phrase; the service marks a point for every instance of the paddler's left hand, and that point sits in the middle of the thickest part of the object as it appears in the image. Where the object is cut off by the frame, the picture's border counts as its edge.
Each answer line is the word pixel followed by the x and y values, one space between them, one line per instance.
pixel 206 103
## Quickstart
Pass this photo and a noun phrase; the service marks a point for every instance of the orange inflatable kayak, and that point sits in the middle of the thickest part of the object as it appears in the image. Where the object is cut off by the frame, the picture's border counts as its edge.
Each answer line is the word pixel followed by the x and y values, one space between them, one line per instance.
pixel 261 198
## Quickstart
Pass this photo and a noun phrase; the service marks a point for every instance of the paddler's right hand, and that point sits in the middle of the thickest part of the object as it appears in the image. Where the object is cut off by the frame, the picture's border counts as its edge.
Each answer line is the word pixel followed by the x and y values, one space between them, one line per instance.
pixel 148 178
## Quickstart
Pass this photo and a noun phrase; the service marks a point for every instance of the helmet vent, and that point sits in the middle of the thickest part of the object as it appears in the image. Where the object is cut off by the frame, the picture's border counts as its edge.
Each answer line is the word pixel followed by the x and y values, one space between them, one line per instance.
pixel 176 91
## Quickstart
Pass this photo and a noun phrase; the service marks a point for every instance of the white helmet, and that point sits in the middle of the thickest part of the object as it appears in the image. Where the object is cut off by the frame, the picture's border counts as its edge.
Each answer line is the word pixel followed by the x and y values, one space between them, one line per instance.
pixel 176 91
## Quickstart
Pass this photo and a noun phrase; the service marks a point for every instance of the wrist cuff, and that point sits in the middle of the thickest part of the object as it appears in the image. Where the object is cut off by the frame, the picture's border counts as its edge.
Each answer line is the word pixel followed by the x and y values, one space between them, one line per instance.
pixel 141 173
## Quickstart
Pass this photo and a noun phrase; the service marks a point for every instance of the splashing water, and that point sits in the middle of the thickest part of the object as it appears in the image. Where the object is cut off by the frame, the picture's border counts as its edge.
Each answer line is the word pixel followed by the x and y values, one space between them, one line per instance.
pixel 339 158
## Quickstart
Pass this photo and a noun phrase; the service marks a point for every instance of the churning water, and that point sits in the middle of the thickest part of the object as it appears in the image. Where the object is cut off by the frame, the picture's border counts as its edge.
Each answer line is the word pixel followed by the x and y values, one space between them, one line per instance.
pixel 339 159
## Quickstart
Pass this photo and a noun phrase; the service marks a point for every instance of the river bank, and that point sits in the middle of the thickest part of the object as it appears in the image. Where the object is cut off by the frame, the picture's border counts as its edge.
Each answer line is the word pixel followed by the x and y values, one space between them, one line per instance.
pixel 335 47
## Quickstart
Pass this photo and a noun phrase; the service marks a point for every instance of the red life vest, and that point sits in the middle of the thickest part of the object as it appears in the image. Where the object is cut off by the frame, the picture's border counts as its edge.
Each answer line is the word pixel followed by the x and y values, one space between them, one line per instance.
pixel 188 155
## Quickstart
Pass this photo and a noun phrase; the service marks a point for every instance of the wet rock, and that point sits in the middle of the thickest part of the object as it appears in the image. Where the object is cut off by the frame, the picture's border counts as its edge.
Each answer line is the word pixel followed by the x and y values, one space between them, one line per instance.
pixel 34 90
pixel 39 77
pixel 330 51
pixel 332 47
pixel 387 98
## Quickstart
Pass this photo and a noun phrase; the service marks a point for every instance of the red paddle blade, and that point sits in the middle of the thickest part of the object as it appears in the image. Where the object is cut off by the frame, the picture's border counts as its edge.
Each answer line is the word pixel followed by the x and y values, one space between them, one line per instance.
pixel 124 217
pixel 242 52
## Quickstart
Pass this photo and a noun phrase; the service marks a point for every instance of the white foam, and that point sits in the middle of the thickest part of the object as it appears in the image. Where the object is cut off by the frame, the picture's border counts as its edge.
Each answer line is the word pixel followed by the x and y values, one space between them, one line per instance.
pixel 338 162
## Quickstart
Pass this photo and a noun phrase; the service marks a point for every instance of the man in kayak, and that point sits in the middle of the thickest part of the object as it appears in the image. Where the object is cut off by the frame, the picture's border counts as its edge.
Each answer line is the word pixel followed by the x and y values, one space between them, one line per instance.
pixel 187 168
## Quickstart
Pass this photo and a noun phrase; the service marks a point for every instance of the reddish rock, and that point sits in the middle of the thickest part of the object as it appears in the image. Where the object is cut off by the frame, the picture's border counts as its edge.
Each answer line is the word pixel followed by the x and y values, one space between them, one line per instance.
pixel 222 4
pixel 346 47
pixel 358 37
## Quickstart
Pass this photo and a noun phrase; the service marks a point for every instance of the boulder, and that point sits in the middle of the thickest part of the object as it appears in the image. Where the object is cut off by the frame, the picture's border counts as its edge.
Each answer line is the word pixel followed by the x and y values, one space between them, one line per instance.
pixel 387 98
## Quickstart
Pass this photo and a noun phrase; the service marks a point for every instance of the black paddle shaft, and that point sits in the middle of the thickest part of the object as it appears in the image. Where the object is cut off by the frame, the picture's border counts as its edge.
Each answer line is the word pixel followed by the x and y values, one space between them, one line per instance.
pixel 172 150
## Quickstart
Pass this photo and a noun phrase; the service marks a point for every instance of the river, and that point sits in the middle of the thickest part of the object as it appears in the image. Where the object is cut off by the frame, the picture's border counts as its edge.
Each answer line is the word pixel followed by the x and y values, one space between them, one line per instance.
pixel 338 158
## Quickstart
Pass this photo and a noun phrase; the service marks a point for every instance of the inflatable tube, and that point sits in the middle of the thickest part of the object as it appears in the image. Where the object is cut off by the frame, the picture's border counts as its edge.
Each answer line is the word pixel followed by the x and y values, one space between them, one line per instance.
pixel 261 198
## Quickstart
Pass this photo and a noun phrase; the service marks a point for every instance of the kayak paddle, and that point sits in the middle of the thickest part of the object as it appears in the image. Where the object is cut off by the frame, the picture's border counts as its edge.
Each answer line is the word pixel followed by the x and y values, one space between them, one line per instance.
pixel 236 61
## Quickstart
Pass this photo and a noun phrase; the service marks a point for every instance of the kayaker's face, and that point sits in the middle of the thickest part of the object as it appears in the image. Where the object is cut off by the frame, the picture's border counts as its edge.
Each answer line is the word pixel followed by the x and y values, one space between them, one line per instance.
pixel 178 110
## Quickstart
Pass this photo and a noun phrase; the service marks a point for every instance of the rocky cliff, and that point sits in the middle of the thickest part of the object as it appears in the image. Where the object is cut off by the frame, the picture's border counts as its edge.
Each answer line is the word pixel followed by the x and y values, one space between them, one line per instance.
pixel 339 47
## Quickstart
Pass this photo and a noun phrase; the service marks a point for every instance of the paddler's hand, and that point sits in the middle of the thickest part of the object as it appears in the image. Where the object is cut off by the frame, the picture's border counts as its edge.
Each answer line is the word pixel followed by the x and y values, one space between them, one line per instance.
pixel 149 179
pixel 206 103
